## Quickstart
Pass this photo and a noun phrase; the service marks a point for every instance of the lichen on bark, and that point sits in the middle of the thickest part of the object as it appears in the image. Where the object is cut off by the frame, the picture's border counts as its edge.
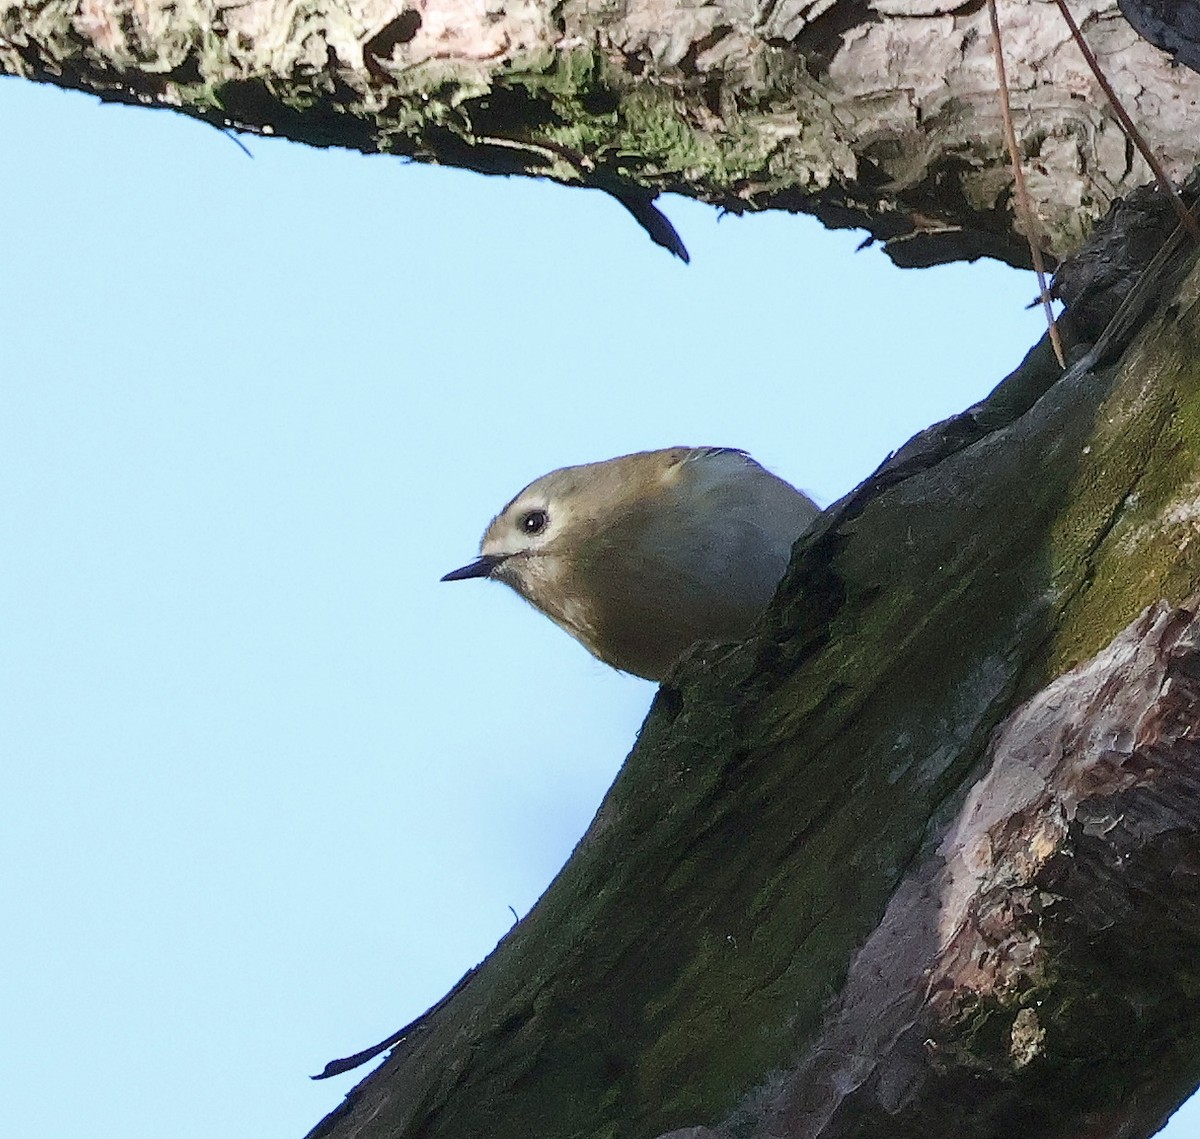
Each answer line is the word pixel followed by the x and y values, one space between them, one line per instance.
pixel 879 115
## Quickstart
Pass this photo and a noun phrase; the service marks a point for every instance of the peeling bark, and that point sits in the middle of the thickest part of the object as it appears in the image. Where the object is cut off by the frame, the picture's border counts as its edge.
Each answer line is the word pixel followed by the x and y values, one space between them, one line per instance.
pixel 881 115
pixel 919 859
pixel 986 999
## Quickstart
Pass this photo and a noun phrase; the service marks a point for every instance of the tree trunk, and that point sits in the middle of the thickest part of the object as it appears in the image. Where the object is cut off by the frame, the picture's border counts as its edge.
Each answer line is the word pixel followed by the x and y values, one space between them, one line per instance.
pixel 881 115
pixel 800 912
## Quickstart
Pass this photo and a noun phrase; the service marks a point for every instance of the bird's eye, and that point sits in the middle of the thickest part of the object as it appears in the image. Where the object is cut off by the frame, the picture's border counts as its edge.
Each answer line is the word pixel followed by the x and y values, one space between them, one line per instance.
pixel 534 522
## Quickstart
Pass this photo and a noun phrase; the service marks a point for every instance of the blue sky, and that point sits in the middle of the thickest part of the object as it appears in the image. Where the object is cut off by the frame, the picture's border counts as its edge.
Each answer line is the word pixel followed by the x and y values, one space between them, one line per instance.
pixel 270 787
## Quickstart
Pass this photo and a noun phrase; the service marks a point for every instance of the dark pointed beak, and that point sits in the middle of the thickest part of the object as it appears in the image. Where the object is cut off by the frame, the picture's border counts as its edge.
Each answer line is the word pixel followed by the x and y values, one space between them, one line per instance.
pixel 480 567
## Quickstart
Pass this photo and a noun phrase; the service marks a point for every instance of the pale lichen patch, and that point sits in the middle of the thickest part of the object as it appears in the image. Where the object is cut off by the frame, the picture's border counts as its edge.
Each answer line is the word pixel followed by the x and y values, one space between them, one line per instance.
pixel 1026 1038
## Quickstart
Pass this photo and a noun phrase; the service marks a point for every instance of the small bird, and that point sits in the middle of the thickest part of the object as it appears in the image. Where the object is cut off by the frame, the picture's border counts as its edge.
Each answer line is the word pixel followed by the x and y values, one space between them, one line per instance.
pixel 640 557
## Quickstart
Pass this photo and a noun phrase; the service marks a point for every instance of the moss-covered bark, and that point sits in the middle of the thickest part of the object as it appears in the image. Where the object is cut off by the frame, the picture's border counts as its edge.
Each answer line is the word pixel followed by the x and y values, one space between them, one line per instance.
pixel 882 116
pixel 682 968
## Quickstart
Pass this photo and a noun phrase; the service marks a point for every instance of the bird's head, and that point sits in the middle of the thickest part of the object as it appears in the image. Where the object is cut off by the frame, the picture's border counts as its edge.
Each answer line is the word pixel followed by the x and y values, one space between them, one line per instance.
pixel 538 541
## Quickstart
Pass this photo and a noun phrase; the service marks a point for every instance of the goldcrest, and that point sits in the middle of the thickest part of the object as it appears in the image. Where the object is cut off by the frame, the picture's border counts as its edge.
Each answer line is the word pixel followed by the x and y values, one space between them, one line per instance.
pixel 640 557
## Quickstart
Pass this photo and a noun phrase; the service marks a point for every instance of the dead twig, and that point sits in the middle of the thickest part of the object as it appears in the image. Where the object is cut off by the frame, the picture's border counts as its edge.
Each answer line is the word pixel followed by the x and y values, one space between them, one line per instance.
pixel 1024 206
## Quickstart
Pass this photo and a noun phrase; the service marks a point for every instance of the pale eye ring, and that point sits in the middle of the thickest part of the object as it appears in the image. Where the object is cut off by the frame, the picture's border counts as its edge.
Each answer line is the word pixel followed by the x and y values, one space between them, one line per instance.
pixel 534 522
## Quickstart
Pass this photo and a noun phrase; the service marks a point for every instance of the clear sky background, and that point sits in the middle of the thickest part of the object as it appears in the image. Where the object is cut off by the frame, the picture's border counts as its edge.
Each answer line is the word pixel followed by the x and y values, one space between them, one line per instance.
pixel 269 788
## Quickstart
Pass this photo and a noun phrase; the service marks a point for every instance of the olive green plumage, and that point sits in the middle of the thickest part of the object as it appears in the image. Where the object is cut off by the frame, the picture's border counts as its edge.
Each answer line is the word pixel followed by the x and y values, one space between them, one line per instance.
pixel 642 556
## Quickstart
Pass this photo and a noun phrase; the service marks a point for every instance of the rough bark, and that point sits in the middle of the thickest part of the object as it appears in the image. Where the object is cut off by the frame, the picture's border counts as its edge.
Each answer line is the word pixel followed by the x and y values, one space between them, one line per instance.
pixel 1172 25
pixel 800 911
pixel 878 114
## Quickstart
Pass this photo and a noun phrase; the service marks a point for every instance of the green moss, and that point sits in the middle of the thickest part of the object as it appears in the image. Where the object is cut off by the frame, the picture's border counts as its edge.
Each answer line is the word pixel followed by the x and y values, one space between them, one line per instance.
pixel 1130 530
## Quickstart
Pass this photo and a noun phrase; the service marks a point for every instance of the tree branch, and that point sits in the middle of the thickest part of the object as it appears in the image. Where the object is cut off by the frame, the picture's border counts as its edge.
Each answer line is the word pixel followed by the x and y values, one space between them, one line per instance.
pixel 884 116
pixel 793 916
